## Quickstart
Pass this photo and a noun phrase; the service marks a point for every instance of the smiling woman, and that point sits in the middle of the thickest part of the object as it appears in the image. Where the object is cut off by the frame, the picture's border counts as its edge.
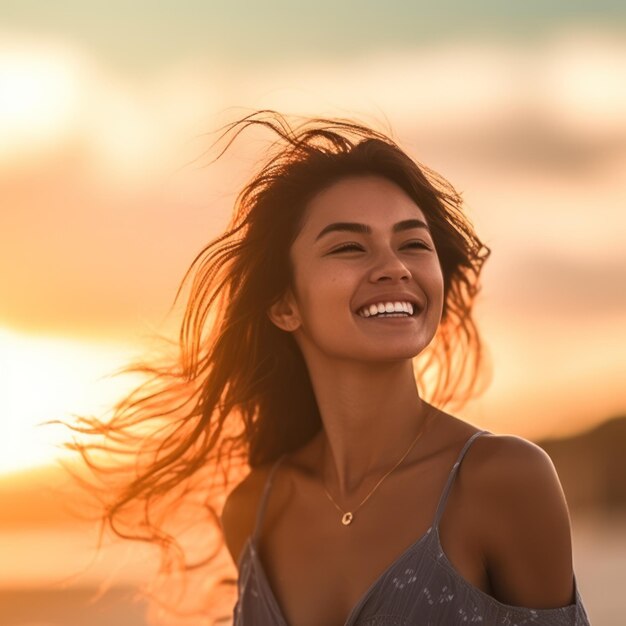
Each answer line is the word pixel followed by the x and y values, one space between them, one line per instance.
pixel 396 241
pixel 324 334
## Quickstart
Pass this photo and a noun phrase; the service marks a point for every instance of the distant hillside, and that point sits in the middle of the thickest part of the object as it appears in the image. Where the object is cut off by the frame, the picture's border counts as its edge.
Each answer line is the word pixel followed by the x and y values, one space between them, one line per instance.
pixel 592 466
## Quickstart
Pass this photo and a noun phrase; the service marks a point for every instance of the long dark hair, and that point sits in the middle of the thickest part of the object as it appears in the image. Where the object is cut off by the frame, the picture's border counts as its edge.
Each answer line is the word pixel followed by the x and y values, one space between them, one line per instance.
pixel 236 393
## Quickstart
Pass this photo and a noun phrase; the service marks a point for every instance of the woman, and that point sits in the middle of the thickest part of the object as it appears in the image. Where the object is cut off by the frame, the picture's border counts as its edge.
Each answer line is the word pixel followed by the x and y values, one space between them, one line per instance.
pixel 341 294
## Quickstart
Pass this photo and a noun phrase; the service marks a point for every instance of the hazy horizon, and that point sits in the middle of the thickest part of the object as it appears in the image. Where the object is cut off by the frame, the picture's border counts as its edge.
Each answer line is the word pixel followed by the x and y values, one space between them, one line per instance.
pixel 520 107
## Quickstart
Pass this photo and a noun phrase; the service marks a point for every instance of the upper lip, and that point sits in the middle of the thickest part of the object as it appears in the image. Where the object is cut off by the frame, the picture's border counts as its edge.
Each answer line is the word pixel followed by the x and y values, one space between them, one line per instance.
pixel 392 297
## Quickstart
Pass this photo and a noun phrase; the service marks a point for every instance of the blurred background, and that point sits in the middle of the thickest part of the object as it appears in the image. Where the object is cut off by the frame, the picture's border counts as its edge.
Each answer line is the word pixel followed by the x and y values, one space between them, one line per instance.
pixel 106 111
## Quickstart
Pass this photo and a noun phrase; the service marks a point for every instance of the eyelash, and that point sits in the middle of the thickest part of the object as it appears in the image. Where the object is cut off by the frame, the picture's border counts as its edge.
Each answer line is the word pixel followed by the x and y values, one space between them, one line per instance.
pixel 349 246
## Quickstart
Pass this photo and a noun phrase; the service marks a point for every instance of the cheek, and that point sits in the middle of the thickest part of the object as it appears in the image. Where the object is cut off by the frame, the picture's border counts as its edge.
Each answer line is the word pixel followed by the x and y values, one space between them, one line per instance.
pixel 431 275
pixel 441 298
pixel 438 280
pixel 327 296
pixel 437 271
pixel 324 301
pixel 434 284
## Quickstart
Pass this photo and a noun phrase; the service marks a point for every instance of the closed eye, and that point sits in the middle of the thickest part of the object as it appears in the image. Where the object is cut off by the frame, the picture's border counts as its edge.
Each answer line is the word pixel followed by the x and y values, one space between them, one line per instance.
pixel 355 246
pixel 419 244
pixel 348 246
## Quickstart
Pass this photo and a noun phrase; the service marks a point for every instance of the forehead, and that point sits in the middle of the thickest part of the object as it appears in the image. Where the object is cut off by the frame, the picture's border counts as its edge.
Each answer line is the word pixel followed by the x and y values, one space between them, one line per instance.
pixel 374 200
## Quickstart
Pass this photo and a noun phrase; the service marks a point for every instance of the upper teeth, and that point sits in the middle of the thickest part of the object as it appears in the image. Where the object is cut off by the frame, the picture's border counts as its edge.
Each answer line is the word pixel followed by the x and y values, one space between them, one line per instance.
pixel 386 307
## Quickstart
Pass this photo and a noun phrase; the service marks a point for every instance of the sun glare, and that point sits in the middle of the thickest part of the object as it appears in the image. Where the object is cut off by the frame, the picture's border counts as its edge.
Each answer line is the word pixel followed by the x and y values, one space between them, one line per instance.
pixel 48 378
pixel 39 97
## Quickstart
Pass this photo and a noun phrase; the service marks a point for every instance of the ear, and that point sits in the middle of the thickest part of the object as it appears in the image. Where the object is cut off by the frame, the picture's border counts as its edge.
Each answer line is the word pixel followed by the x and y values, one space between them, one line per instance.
pixel 284 313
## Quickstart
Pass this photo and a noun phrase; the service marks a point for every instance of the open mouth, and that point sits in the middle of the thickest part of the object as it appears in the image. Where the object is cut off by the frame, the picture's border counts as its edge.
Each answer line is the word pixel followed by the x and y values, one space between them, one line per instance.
pixel 403 310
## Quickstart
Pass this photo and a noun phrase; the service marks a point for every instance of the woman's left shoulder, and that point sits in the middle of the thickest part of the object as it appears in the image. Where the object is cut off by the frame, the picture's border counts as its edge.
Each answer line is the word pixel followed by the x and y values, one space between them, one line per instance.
pixel 512 463
pixel 527 535
pixel 505 468
pixel 516 478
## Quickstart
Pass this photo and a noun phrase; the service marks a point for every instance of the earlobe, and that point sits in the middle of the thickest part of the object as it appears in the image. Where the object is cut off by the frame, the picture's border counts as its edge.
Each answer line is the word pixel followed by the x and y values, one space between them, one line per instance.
pixel 283 314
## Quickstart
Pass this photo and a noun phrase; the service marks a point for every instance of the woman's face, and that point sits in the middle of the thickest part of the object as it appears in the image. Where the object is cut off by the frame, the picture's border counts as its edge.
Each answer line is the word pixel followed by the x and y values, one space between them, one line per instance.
pixel 364 242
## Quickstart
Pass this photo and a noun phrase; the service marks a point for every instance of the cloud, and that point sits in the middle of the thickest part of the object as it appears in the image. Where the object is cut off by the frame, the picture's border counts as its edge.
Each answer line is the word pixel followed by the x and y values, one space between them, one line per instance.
pixel 560 100
pixel 563 287
pixel 109 208
pixel 104 214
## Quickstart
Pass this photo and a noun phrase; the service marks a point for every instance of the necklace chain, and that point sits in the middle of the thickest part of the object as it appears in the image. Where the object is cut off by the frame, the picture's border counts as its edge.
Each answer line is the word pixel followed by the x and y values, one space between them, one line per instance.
pixel 348 516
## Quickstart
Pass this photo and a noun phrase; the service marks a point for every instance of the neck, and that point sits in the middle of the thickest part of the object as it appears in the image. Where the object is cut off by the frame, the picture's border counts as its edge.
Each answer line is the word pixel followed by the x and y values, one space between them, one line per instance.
pixel 370 418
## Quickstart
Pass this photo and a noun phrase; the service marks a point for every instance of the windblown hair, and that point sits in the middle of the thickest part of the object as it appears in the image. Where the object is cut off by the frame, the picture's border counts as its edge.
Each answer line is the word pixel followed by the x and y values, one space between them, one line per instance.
pixel 237 387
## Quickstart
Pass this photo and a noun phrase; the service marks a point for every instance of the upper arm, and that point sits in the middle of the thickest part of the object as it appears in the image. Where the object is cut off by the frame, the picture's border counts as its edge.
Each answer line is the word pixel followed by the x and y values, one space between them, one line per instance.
pixel 527 543
pixel 239 515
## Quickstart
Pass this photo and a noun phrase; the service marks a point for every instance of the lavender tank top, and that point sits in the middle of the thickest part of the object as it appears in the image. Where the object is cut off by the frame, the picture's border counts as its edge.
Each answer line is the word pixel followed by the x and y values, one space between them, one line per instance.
pixel 421 587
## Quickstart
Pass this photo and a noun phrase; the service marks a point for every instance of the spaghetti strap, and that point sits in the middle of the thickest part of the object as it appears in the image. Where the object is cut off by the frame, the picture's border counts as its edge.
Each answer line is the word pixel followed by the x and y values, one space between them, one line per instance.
pixel 446 490
pixel 262 504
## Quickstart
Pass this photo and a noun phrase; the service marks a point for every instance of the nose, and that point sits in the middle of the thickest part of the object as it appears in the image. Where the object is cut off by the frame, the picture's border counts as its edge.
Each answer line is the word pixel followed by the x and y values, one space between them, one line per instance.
pixel 390 267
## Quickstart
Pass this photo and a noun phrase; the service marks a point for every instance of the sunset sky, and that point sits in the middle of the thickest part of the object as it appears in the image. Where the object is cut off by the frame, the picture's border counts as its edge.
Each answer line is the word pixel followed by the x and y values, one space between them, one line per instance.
pixel 105 198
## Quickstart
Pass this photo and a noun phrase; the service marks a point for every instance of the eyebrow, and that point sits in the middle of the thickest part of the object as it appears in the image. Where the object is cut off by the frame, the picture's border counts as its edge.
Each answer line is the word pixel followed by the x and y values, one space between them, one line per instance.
pixel 364 229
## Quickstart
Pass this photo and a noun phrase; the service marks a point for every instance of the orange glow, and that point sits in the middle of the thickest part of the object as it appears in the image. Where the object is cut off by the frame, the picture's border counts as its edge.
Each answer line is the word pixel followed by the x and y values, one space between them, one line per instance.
pixel 105 200
pixel 40 98
pixel 104 217
pixel 47 378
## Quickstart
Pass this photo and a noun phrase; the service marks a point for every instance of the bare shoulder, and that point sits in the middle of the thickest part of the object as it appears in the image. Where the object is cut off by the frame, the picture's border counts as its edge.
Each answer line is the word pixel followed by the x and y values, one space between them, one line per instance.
pixel 508 452
pixel 240 508
pixel 517 469
pixel 526 533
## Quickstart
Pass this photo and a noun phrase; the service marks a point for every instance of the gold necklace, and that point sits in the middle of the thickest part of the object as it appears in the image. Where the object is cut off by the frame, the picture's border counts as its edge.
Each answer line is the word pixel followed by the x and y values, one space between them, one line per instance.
pixel 348 516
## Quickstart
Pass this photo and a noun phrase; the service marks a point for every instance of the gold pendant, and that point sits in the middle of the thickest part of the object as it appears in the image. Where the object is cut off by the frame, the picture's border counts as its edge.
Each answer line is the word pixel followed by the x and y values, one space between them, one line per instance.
pixel 346 519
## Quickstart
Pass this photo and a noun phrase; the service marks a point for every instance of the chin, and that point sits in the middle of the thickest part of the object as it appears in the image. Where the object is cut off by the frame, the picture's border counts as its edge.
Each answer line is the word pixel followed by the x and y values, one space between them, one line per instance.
pixel 389 355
